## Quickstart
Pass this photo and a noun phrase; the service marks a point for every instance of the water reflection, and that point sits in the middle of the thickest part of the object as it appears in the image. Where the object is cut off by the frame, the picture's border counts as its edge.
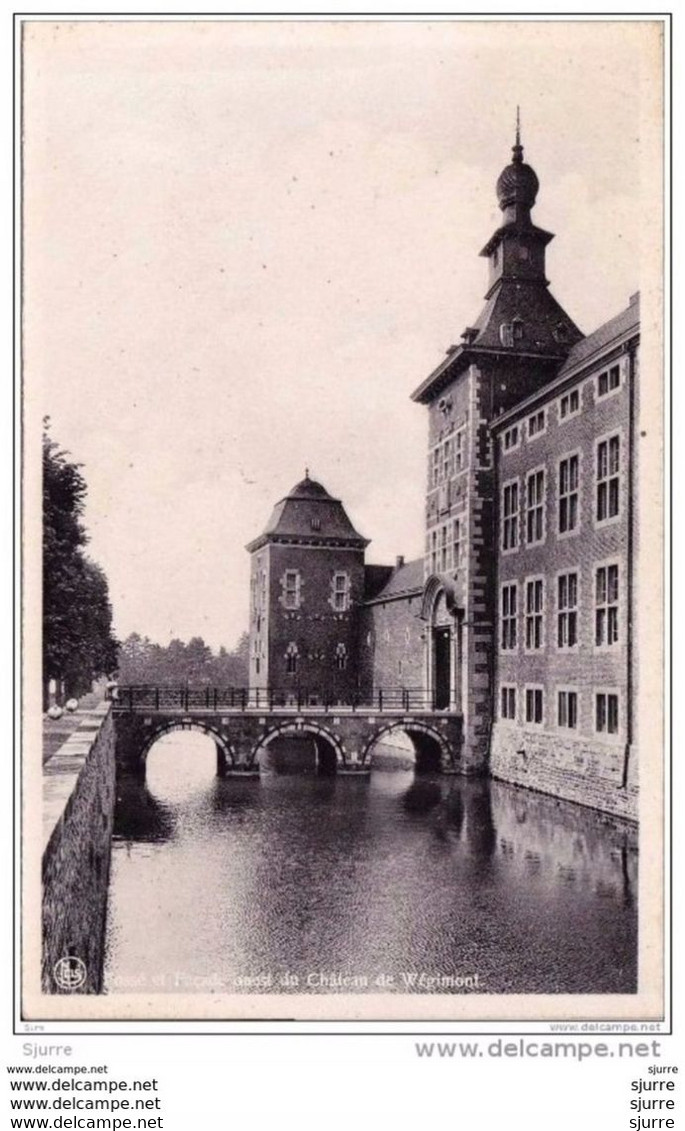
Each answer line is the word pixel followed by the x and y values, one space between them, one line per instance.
pixel 238 881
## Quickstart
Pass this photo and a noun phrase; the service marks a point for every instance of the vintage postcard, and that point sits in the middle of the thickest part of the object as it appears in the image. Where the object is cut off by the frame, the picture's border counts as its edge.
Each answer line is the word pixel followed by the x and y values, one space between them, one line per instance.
pixel 343 373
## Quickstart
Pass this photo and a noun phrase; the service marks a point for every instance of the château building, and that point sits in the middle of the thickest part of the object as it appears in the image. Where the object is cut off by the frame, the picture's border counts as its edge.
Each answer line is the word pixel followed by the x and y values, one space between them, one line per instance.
pixel 519 617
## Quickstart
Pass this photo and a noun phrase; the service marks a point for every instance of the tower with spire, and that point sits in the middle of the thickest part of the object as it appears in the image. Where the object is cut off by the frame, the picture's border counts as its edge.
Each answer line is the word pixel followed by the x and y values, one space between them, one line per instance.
pixel 514 347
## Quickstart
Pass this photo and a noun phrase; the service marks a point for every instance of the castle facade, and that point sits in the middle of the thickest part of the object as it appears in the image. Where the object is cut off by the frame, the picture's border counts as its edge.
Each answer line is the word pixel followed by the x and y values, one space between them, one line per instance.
pixel 519 617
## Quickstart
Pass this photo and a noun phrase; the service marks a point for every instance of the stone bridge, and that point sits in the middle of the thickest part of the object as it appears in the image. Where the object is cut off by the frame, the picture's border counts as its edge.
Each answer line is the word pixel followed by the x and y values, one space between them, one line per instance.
pixel 343 735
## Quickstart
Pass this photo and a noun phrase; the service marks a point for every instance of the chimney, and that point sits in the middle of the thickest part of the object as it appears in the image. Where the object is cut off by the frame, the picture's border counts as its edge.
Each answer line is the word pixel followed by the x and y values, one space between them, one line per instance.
pixel 399 561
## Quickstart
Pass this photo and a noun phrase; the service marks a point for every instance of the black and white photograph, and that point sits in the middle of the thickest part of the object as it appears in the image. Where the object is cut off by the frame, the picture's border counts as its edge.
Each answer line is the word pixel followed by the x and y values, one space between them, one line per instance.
pixel 343 386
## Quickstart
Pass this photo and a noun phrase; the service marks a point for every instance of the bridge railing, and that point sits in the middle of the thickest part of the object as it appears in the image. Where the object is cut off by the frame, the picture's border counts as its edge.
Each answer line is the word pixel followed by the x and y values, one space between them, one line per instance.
pixel 143 697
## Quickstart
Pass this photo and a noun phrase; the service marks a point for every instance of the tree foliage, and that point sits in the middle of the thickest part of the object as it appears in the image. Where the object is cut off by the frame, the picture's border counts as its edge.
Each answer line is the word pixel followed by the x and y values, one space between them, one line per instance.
pixel 194 663
pixel 78 643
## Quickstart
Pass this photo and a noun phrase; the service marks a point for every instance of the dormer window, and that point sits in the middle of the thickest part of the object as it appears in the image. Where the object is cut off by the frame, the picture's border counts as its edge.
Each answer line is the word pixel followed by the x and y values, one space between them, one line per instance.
pixel 315 523
pixel 517 329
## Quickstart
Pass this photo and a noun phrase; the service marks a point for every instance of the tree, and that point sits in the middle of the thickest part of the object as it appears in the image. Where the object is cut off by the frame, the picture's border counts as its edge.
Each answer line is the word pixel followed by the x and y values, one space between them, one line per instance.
pixel 78 643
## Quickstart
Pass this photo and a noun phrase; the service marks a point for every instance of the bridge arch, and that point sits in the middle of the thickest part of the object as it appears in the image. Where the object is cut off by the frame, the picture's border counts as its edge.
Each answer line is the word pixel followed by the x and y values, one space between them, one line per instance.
pixel 431 749
pixel 225 751
pixel 294 728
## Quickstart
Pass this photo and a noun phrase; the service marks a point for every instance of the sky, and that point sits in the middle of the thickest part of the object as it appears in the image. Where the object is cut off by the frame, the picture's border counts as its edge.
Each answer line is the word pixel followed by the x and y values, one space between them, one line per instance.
pixel 247 243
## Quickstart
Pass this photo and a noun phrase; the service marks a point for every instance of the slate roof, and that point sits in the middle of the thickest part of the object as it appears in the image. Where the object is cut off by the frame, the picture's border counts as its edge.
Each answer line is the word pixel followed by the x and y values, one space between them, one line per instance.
pixel 308 513
pixel 602 338
pixel 583 353
pixel 407 579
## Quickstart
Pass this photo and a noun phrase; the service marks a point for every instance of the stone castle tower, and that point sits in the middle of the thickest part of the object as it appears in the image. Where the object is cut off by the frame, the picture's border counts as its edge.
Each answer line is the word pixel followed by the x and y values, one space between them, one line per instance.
pixel 515 346
pixel 306 586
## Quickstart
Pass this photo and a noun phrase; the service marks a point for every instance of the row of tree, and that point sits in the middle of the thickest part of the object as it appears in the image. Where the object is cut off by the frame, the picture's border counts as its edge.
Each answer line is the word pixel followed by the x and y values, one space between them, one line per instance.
pixel 178 664
pixel 78 642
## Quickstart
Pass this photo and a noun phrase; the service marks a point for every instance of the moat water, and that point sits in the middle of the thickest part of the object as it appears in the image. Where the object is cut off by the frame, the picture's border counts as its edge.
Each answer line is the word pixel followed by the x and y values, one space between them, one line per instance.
pixel 296 883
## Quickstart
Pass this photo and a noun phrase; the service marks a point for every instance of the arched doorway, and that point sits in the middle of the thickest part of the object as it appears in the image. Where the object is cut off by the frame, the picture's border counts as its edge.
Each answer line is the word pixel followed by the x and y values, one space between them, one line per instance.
pixel 443 614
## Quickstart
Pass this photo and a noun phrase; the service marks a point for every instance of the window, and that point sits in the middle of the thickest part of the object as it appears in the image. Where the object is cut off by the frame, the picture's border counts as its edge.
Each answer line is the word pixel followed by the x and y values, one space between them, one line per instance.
pixel 569 404
pixel 567 709
pixel 509 613
pixel 534 705
pixel 291 659
pixel 535 518
pixel 341 592
pixel 534 607
pixel 567 610
pixel 568 494
pixel 510 439
pixel 606 713
pixel 435 467
pixel 608 381
pixel 608 470
pixel 434 551
pixel 510 515
pixel 456 543
pixel 446 460
pixel 341 657
pixel 291 589
pixel 315 523
pixel 536 424
pixel 606 605
pixel 459 450
pixel 442 557
pixel 507 702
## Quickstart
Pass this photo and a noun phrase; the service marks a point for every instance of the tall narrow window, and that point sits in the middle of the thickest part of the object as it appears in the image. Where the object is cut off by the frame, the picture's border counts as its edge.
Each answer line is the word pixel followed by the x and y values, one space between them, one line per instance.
pixel 341 592
pixel 510 439
pixel 568 494
pixel 446 460
pixel 509 616
pixel 567 610
pixel 459 450
pixel 291 589
pixel 435 467
pixel 608 474
pixel 606 713
pixel 536 423
pixel 456 543
pixel 291 659
pixel 510 516
pixel 507 702
pixel 534 705
pixel 606 605
pixel 534 610
pixel 443 548
pixel 434 551
pixel 341 657
pixel 567 709
pixel 535 502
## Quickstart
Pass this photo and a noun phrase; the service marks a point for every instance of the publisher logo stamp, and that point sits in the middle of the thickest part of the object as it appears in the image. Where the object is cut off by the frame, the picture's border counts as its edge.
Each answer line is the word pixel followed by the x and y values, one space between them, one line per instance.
pixel 70 973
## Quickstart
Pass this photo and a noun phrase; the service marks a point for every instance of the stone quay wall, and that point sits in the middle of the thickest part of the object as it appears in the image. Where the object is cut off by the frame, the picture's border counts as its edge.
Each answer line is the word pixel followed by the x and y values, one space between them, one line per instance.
pixel 78 816
pixel 576 769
